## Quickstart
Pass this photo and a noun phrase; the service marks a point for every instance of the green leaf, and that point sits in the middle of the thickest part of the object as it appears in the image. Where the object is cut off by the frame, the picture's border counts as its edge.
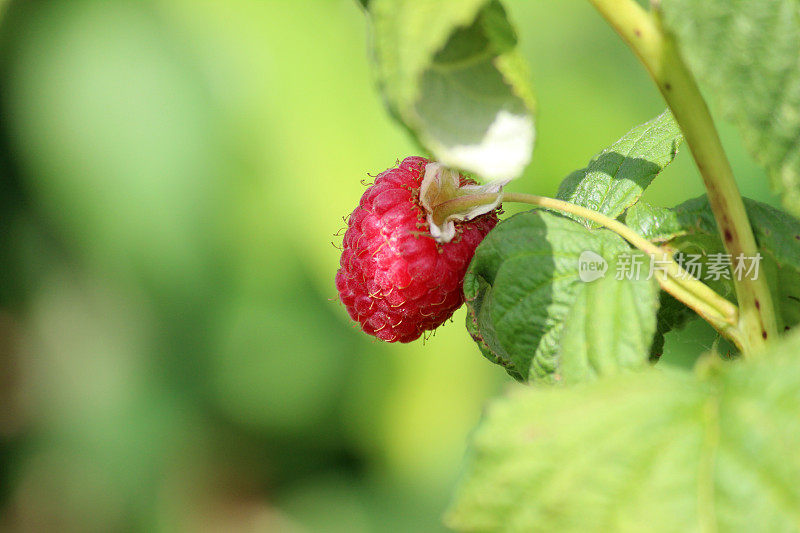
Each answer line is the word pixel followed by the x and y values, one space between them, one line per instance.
pixel 450 73
pixel 746 55
pixel 658 224
pixel 672 314
pixel 691 228
pixel 616 177
pixel 776 231
pixel 530 312
pixel 655 451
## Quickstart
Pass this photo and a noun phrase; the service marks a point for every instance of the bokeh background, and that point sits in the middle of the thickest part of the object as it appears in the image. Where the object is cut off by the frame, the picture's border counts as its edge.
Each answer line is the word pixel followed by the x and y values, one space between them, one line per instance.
pixel 173 356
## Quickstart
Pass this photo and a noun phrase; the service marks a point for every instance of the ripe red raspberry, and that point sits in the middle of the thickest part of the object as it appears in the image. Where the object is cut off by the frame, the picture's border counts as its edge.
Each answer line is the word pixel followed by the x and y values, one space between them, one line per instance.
pixel 395 279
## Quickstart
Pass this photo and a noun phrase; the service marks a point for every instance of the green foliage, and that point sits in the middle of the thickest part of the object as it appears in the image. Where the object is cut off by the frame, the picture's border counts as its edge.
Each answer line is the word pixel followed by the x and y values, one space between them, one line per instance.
pixel 690 227
pixel 615 178
pixel 626 447
pixel 745 54
pixel 161 310
pixel 450 73
pixel 776 232
pixel 530 312
pixel 672 314
pixel 653 451
pixel 555 345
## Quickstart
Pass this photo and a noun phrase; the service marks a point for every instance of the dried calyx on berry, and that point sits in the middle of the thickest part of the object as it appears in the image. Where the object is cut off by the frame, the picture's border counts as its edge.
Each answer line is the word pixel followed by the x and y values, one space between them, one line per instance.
pixel 401 270
pixel 440 185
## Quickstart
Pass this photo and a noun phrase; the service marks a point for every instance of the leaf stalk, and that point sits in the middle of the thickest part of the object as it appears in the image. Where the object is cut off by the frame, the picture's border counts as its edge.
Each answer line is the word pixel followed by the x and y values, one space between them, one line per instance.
pixel 715 309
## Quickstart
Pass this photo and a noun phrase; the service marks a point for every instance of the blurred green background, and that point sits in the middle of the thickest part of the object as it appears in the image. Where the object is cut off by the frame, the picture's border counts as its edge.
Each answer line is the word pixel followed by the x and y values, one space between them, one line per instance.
pixel 173 356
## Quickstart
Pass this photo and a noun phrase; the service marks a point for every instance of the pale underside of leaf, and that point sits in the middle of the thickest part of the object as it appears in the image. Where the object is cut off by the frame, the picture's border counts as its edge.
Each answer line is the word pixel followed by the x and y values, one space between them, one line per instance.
pixel 746 54
pixel 654 451
pixel 449 72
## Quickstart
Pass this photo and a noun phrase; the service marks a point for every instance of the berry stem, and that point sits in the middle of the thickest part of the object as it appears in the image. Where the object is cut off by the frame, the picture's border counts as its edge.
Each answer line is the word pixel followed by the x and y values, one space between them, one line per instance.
pixel 712 307
pixel 643 33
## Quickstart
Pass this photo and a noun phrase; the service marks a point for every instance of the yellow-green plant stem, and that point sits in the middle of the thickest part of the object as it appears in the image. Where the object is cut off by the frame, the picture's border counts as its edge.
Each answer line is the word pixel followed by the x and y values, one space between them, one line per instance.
pixel 716 310
pixel 642 31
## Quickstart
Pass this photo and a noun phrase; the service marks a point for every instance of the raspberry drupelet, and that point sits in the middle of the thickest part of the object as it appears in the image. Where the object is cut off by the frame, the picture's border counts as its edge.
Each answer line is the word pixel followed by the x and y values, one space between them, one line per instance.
pixel 395 279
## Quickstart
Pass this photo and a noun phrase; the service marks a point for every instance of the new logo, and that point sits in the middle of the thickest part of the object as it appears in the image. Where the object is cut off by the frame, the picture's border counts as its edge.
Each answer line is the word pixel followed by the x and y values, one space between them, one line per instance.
pixel 591 266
